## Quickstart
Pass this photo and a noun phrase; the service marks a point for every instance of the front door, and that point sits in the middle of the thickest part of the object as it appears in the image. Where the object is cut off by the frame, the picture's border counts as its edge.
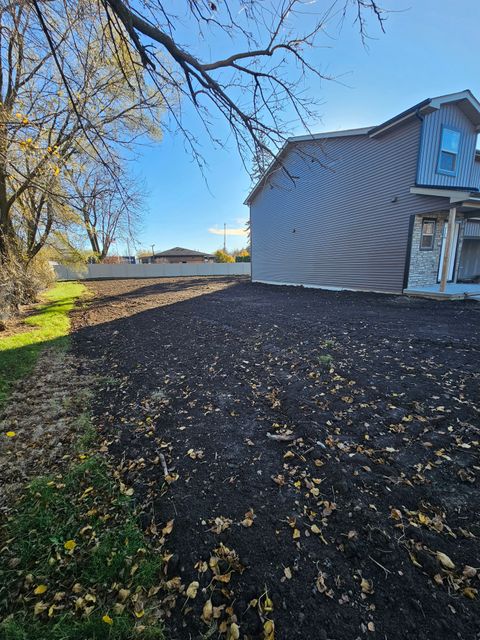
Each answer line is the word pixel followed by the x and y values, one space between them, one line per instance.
pixel 453 254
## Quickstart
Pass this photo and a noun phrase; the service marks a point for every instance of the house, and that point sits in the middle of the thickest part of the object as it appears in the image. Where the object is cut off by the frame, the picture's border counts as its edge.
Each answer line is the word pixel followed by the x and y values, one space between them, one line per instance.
pixel 178 254
pixel 389 208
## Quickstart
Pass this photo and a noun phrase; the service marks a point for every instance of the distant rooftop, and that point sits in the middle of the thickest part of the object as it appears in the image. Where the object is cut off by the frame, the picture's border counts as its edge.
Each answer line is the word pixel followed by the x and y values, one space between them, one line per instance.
pixel 180 252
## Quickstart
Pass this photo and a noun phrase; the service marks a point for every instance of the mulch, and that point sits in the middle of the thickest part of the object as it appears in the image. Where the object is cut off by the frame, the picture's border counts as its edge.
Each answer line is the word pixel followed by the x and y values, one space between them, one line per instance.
pixel 322 453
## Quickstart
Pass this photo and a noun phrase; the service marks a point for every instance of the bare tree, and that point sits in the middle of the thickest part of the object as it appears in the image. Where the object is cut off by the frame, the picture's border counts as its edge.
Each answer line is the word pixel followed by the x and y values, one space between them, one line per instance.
pixel 258 86
pixel 107 214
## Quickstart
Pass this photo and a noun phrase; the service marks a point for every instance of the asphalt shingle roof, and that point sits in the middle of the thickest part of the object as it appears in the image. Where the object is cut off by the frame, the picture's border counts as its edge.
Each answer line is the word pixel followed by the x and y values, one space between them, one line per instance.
pixel 177 252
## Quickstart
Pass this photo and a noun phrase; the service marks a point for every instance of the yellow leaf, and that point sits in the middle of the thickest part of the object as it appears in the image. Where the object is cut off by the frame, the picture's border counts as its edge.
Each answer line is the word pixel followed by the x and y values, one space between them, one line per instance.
pixel 233 632
pixel 315 529
pixel 39 608
pixel 422 518
pixel 107 619
pixel 140 613
pixel 192 589
pixel 445 560
pixel 296 534
pixel 207 611
pixel 266 605
pixel 40 589
pixel 11 434
pixel 268 630
pixel 70 545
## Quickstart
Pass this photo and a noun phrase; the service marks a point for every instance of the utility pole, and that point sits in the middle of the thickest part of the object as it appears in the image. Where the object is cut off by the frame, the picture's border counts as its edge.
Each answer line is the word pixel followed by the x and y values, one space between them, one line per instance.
pixel 153 252
pixel 225 237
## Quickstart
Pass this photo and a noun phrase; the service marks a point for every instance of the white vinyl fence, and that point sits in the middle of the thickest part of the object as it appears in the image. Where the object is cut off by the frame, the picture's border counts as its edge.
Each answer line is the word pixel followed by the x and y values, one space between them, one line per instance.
pixel 113 271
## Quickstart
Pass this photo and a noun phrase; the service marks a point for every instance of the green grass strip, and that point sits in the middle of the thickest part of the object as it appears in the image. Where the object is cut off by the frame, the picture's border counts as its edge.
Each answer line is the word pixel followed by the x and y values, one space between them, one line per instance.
pixel 82 585
pixel 50 327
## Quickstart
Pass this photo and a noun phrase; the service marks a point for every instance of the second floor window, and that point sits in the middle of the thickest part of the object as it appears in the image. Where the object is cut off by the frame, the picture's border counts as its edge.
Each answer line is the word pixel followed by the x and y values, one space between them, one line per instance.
pixel 449 147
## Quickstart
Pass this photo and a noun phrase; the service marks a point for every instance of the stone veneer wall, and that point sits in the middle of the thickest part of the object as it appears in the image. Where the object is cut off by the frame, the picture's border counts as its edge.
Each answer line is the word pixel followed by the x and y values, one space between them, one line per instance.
pixel 424 264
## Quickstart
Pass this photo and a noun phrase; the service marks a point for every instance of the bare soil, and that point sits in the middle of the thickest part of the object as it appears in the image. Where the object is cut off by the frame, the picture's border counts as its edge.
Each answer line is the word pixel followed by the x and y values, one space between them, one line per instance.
pixel 360 517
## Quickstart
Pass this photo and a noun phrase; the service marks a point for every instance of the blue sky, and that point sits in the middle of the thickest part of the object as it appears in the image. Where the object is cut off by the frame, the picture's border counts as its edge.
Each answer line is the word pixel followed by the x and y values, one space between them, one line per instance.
pixel 429 49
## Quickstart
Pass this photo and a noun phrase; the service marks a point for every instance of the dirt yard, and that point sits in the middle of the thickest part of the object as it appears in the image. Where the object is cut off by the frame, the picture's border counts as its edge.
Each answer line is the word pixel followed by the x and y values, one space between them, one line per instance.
pixel 329 440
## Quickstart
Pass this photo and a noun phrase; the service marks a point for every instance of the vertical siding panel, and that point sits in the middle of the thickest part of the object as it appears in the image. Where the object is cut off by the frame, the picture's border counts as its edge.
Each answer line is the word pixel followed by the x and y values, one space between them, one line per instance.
pixel 343 224
pixel 476 174
pixel 448 115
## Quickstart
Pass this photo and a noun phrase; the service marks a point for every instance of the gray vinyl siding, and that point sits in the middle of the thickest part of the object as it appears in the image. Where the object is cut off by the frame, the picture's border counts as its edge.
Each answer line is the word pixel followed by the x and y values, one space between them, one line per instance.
pixel 351 216
pixel 452 116
pixel 476 174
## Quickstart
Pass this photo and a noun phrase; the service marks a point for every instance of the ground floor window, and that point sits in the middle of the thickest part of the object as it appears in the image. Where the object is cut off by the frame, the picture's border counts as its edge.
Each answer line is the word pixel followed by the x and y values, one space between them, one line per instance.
pixel 427 237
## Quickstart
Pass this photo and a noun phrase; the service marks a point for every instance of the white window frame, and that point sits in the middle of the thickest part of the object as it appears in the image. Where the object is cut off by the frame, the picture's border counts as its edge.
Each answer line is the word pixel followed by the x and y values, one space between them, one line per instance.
pixel 443 150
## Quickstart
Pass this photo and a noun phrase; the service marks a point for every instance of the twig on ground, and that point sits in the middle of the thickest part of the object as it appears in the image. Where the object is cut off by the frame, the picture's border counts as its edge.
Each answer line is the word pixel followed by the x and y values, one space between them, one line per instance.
pixel 387 571
pixel 163 462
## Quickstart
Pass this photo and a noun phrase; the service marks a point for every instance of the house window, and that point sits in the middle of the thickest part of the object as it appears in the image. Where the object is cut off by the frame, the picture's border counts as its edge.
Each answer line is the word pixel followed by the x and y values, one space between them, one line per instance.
pixel 428 235
pixel 449 146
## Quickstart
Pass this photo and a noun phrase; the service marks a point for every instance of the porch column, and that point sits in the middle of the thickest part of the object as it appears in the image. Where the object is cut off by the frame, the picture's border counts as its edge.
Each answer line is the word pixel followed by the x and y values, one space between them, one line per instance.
pixel 448 248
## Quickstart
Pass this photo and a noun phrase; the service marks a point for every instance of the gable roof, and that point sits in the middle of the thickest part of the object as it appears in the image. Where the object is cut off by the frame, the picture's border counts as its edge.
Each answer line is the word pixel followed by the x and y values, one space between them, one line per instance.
pixel 180 252
pixel 466 101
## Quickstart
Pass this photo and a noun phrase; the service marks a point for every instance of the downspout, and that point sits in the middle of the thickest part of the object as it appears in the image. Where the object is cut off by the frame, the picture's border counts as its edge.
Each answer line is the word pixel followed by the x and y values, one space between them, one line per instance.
pixel 420 143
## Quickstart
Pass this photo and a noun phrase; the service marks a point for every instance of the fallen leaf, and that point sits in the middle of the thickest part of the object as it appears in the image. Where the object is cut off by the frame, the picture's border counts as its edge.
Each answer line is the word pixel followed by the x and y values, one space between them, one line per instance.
pixel 70 545
pixel 39 608
pixel 40 589
pixel 366 586
pixel 249 518
pixel 288 573
pixel 167 528
pixel 469 572
pixel 445 560
pixel 268 630
pixel 10 434
pixel 123 594
pixel 207 612
pixel 233 632
pixel 470 592
pixel 192 589
pixel 107 619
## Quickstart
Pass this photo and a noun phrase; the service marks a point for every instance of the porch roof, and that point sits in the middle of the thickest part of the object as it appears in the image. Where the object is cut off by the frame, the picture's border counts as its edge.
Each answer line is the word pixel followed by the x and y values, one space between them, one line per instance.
pixel 466 201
